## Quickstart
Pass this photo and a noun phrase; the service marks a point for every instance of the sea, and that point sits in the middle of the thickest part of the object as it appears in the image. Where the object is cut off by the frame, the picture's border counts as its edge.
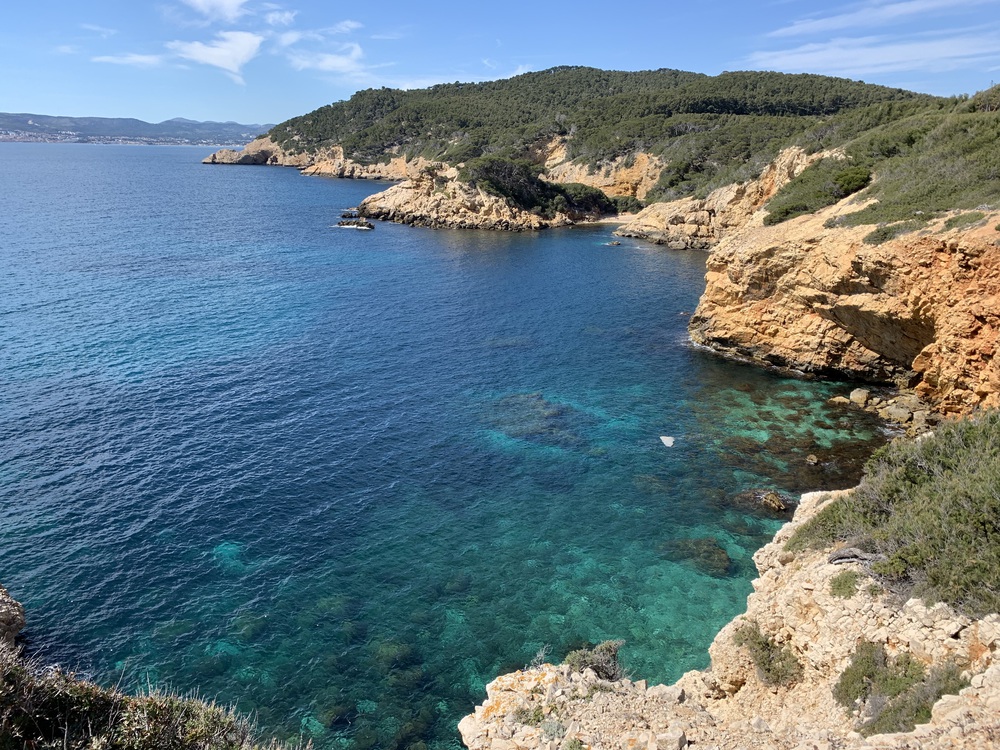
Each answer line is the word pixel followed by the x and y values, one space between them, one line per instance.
pixel 341 479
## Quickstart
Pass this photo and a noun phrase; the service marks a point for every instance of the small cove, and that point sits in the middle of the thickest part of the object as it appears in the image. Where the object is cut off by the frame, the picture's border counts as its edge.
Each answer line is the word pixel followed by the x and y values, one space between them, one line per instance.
pixel 343 479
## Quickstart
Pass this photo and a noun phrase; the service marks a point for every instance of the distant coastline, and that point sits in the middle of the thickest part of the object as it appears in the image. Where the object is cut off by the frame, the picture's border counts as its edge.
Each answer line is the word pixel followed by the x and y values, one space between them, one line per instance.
pixel 32 128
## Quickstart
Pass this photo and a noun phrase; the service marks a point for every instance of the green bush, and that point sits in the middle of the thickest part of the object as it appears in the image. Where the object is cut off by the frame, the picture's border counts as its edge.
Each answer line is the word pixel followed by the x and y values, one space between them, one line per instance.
pixel 821 184
pixel 518 181
pixel 964 220
pixel 776 665
pixel 872 673
pixel 844 585
pixel 531 716
pixel 894 695
pixel 914 706
pixel 887 232
pixel 627 204
pixel 930 508
pixel 602 658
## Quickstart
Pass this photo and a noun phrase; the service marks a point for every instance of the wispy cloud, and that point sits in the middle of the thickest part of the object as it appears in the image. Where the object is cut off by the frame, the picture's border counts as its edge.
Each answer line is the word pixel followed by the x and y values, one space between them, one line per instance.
pixel 103 31
pixel 221 10
pixel 347 59
pixel 344 27
pixel 280 17
pixel 861 56
pixel 874 14
pixel 135 60
pixel 67 49
pixel 230 51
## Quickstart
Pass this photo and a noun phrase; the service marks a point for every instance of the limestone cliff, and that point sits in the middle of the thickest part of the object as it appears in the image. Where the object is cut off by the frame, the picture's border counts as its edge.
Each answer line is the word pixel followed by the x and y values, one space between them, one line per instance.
pixel 11 618
pixel 699 223
pixel 922 310
pixel 437 199
pixel 633 175
pixel 728 706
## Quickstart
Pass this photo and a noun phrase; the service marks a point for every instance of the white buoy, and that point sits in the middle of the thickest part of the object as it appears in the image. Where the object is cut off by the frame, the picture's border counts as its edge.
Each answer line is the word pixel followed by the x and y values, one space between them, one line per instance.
pixel 667 441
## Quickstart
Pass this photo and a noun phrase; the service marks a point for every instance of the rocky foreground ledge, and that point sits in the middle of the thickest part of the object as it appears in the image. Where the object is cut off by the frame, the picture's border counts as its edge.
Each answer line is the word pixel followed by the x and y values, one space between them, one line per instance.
pixel 11 618
pixel 730 707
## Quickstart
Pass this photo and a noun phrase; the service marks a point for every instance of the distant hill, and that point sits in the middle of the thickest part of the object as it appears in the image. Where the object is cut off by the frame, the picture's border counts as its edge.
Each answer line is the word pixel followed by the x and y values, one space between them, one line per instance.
pixel 47 128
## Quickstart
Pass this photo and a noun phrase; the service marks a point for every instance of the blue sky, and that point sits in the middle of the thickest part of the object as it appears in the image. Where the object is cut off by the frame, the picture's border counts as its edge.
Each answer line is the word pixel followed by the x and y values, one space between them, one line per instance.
pixel 258 61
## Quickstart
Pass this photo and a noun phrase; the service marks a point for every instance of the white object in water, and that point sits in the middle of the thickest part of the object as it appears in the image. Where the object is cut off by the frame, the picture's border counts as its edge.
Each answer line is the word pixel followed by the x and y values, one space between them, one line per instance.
pixel 667 441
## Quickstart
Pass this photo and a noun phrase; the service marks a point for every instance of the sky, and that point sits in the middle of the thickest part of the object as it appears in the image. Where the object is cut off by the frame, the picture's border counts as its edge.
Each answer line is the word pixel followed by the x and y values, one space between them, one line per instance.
pixel 258 61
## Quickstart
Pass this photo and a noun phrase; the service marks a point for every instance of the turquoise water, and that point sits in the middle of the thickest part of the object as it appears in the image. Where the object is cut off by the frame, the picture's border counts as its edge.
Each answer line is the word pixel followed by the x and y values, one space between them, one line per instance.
pixel 344 479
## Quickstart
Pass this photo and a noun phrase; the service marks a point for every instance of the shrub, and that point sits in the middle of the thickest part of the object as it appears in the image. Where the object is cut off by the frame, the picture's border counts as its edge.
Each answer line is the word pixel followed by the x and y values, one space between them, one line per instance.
pixel 931 509
pixel 776 665
pixel 894 695
pixel 50 708
pixel 964 220
pixel 821 184
pixel 602 658
pixel 872 673
pixel 531 716
pixel 518 181
pixel 626 204
pixel 914 706
pixel 887 232
pixel 845 584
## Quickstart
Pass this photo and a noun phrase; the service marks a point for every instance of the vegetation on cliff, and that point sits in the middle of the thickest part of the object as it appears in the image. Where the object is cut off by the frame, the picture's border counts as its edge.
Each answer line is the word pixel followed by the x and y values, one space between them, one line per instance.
pixel 519 182
pixel 928 511
pixel 48 708
pixel 709 130
pixel 928 157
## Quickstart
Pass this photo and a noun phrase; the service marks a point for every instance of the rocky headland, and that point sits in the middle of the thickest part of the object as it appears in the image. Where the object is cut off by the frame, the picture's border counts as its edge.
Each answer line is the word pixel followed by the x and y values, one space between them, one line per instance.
pixel 733 705
pixel 436 198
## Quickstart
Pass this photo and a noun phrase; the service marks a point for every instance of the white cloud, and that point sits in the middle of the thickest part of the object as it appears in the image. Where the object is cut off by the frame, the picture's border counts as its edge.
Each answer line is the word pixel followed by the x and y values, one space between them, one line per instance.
pixel 344 27
pixel 489 63
pixel 225 10
pixel 102 31
pixel 137 61
pixel 67 49
pixel 874 14
pixel 280 17
pixel 346 60
pixel 230 51
pixel 862 56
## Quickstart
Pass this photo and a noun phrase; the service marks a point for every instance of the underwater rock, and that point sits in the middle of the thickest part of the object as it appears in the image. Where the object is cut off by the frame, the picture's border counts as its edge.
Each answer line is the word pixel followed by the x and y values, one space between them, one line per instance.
pixel 705 553
pixel 529 416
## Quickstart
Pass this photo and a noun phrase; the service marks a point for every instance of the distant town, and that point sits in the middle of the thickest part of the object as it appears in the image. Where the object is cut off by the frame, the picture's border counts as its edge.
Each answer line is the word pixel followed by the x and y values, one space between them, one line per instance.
pixel 31 128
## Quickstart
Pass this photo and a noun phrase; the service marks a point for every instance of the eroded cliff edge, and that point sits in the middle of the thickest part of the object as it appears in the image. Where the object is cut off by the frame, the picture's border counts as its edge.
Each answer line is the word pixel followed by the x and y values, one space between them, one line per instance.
pixel 729 706
pixel 920 311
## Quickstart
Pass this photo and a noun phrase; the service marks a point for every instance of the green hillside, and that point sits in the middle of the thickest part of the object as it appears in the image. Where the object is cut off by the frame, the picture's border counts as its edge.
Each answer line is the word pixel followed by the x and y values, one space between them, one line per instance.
pixel 916 153
pixel 707 126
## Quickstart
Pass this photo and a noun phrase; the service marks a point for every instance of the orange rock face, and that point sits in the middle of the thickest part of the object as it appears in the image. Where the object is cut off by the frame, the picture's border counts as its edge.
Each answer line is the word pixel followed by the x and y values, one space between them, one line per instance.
pixel 922 311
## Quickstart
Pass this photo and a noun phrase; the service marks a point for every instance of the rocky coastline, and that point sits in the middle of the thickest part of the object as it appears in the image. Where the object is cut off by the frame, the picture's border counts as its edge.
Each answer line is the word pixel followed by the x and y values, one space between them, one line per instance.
pixel 730 705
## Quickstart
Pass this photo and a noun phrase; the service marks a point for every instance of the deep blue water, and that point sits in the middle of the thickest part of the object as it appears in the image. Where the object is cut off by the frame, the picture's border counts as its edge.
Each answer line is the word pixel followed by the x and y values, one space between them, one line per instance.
pixel 344 479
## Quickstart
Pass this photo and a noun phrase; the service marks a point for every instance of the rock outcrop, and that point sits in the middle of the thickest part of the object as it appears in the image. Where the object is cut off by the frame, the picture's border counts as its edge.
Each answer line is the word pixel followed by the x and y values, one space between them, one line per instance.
pixel 700 223
pixel 633 175
pixel 333 163
pixel 11 618
pixel 728 706
pixel 261 151
pixel 438 199
pixel 922 310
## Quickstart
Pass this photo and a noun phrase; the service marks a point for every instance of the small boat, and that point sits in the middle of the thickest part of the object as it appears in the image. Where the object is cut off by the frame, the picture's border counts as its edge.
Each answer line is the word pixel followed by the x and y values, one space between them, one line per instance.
pixel 355 223
pixel 613 243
